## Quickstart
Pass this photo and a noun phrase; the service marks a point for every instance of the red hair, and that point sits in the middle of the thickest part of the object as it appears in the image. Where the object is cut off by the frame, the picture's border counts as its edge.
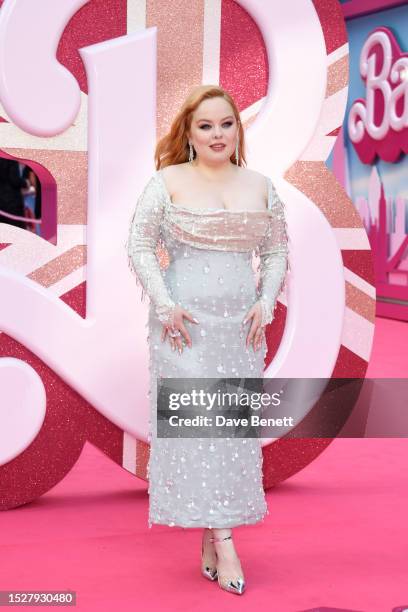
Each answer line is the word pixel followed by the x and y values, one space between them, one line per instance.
pixel 173 148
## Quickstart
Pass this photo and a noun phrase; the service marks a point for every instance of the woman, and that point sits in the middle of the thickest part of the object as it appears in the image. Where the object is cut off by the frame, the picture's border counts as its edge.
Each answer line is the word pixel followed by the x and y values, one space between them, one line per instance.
pixel 211 215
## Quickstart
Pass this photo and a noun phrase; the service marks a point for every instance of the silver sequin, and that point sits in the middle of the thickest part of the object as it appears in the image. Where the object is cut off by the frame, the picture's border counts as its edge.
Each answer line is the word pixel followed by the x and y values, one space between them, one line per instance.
pixel 205 482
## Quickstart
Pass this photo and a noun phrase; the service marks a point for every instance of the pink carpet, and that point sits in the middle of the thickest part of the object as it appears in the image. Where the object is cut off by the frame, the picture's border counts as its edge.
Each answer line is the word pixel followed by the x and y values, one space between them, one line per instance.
pixel 335 538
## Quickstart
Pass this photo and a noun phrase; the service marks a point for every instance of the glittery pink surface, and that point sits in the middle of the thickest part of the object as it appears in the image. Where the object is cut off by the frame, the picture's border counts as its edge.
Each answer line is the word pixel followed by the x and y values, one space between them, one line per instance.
pixel 349 365
pixel 287 456
pixel 320 185
pixel 359 262
pixel 69 422
pixel 179 53
pixel 337 76
pixel 76 299
pixel 360 302
pixel 333 24
pixel 244 70
pixel 95 22
pixel 60 267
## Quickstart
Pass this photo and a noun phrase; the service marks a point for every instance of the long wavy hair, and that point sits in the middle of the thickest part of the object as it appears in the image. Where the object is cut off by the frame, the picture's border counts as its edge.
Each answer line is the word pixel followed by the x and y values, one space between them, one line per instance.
pixel 173 147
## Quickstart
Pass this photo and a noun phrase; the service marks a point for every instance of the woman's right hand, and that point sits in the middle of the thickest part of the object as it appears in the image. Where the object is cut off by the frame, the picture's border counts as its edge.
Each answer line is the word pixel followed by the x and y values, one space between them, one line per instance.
pixel 178 316
pixel 255 334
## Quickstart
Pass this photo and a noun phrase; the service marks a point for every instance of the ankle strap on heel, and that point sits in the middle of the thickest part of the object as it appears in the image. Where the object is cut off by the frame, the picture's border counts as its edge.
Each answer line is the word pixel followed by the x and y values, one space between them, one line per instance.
pixel 220 539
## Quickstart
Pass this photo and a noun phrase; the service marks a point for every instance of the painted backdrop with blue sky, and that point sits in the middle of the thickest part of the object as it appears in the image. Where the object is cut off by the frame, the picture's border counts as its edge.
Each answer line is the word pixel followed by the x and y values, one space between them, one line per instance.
pixel 393 175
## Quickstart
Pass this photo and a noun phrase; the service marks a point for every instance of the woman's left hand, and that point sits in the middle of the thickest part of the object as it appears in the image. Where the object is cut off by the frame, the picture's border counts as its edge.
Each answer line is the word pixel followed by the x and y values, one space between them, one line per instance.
pixel 255 333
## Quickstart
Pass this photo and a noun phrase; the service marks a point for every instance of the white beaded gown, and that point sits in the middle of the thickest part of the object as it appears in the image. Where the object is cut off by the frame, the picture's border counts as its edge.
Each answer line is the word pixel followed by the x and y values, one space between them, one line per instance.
pixel 206 482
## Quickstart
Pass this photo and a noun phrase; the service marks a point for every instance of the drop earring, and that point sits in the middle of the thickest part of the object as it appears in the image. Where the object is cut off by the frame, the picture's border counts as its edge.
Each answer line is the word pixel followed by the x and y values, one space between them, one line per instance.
pixel 191 156
pixel 237 152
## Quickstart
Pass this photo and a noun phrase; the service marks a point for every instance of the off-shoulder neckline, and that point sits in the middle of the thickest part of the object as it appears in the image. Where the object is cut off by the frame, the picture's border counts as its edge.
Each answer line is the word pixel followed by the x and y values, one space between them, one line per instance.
pixel 210 211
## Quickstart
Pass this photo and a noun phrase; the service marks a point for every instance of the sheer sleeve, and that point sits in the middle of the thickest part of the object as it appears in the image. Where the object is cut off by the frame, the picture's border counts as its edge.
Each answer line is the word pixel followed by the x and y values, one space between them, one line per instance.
pixel 273 253
pixel 143 239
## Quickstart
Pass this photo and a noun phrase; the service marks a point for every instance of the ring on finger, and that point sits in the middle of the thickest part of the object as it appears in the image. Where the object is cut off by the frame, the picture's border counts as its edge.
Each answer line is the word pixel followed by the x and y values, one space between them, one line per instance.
pixel 174 333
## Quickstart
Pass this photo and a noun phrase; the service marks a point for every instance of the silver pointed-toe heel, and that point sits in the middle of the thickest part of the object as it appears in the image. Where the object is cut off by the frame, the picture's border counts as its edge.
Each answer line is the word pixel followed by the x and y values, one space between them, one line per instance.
pixel 232 586
pixel 206 570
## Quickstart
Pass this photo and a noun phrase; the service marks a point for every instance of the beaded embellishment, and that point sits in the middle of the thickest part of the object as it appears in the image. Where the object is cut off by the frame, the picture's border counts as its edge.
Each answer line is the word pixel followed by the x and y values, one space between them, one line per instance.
pixel 264 232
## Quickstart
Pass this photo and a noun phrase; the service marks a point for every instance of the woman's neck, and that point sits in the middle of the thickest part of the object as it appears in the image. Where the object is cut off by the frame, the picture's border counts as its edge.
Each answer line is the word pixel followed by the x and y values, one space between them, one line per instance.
pixel 218 172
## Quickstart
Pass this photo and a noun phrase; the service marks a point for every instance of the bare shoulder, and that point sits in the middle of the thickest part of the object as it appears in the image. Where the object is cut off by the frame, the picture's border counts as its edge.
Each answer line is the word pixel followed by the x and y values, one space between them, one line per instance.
pixel 174 174
pixel 175 170
pixel 255 180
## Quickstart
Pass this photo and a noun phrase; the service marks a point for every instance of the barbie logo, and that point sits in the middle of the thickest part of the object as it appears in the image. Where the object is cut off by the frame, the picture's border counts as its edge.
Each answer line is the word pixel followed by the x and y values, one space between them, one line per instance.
pixel 379 124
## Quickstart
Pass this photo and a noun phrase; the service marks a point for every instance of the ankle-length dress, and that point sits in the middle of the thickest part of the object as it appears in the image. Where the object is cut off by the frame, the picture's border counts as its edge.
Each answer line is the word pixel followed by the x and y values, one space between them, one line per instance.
pixel 206 482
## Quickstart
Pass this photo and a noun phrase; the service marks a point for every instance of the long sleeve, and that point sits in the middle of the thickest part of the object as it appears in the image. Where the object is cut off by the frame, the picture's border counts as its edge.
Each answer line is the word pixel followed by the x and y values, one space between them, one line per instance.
pixel 273 253
pixel 143 239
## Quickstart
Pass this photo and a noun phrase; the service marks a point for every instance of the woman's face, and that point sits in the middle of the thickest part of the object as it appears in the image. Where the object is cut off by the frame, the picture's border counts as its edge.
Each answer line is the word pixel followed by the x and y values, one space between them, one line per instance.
pixel 213 122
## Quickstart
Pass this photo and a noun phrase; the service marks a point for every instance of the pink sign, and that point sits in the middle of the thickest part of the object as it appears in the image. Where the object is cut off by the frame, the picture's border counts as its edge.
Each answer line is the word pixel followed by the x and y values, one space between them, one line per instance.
pixel 378 125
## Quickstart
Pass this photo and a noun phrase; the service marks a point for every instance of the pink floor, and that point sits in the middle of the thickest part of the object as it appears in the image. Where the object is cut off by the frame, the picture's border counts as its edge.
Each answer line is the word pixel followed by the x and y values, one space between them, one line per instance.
pixel 335 538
